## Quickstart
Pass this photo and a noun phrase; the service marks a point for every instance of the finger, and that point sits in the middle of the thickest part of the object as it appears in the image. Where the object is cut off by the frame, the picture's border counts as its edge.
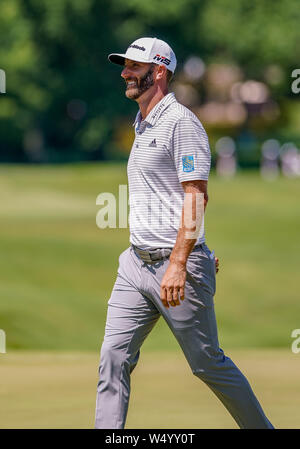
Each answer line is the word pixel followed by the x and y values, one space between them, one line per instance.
pixel 216 264
pixel 163 297
pixel 175 296
pixel 170 297
pixel 172 302
pixel 166 304
pixel 181 293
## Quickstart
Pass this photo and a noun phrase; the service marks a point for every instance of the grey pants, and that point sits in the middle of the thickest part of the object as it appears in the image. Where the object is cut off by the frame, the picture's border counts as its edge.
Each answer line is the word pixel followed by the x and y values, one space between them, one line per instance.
pixel 133 309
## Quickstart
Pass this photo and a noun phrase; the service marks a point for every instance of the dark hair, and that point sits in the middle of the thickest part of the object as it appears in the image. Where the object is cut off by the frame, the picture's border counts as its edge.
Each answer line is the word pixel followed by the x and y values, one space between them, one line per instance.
pixel 169 76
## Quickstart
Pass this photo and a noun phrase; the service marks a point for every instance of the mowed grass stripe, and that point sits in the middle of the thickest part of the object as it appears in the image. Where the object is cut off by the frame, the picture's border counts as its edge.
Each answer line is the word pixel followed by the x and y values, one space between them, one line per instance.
pixel 57 268
pixel 58 390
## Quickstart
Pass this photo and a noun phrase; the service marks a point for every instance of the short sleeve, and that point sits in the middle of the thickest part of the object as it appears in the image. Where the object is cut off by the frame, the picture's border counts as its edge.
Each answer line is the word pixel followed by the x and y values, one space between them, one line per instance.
pixel 191 150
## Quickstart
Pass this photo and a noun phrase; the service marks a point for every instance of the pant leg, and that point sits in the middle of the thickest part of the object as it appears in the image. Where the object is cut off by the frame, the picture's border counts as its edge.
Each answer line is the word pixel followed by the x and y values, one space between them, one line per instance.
pixel 130 318
pixel 222 376
pixel 194 325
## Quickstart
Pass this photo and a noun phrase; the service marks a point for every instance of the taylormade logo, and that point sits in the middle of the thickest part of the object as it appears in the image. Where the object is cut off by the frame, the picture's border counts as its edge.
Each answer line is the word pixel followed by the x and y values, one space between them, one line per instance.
pixel 2 82
pixel 137 47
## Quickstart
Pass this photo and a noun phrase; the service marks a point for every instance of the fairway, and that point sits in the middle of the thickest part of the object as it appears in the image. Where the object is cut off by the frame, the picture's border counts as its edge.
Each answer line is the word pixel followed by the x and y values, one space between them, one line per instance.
pixel 57 268
pixel 57 390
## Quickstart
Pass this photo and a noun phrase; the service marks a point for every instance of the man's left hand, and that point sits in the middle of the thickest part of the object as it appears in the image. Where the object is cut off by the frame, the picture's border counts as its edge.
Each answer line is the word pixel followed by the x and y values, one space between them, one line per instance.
pixel 217 264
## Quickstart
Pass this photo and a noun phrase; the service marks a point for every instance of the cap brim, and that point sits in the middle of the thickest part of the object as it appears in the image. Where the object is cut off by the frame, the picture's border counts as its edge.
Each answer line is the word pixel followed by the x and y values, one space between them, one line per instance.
pixel 117 58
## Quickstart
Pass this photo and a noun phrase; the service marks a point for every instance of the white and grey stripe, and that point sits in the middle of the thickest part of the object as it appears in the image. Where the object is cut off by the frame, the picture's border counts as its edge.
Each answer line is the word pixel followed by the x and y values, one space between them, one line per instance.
pixel 169 134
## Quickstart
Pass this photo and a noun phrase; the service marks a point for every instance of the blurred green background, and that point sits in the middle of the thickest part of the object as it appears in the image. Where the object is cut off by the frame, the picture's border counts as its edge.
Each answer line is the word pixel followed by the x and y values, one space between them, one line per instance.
pixel 65 135
pixel 65 102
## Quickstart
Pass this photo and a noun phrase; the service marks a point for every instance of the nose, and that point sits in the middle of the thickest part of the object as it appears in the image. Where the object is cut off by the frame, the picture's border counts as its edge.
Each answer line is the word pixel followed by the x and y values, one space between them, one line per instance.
pixel 125 72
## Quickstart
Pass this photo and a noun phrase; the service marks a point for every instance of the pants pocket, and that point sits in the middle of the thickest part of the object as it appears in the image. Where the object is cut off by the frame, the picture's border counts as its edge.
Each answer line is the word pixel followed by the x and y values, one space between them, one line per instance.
pixel 201 271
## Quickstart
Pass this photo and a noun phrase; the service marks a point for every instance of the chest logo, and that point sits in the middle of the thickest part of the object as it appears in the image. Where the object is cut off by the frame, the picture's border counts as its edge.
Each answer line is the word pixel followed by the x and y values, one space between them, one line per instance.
pixel 153 144
pixel 188 163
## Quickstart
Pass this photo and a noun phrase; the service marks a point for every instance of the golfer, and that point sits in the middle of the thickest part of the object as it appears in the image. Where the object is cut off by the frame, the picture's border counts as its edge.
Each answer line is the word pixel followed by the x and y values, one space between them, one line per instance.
pixel 168 269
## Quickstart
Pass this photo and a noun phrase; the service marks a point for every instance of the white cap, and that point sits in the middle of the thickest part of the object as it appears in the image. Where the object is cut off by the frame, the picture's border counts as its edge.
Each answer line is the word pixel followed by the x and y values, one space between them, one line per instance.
pixel 147 49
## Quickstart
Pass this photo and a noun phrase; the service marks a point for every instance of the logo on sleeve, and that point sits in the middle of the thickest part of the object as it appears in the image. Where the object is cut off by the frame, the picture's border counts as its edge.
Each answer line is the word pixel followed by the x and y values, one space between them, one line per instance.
pixel 188 163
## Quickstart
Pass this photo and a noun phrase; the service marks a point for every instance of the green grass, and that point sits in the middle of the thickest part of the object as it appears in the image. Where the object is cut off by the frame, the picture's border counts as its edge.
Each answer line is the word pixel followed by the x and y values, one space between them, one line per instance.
pixel 58 390
pixel 57 268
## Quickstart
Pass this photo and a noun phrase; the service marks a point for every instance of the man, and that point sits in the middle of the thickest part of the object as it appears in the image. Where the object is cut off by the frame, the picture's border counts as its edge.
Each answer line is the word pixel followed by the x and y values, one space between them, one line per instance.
pixel 168 270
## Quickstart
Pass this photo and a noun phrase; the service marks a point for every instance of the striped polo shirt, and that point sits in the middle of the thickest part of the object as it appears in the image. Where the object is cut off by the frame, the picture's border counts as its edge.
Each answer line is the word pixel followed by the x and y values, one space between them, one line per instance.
pixel 170 146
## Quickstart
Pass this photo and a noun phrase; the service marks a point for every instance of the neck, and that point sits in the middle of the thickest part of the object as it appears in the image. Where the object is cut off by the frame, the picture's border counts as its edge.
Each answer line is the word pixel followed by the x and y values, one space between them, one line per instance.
pixel 148 100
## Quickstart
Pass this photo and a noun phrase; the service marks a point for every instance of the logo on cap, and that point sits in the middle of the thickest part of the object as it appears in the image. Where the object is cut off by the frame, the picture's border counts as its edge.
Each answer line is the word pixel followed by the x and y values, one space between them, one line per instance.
pixel 137 47
pixel 162 59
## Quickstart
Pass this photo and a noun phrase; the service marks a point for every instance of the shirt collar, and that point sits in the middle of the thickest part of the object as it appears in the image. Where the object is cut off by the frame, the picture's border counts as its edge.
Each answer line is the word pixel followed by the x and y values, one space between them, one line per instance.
pixel 138 118
pixel 155 113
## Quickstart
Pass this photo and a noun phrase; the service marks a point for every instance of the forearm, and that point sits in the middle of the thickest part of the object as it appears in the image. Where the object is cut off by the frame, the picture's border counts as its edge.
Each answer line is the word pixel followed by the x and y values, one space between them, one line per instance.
pixel 182 248
pixel 191 220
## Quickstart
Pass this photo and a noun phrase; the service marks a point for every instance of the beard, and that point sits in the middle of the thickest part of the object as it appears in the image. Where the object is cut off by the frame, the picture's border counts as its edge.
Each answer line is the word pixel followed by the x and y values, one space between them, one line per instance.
pixel 143 84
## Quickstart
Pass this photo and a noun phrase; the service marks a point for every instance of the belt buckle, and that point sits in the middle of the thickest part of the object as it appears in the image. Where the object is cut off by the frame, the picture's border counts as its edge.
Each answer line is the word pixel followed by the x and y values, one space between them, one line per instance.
pixel 161 254
pixel 152 258
pixel 149 256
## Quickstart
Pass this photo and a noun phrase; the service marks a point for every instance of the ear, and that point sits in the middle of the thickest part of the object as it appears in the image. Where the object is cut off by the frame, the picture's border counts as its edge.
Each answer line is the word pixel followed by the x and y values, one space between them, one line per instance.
pixel 161 72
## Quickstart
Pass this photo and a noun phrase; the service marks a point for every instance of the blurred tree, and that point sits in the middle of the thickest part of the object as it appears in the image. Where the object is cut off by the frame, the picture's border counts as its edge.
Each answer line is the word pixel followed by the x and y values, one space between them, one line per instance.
pixel 64 100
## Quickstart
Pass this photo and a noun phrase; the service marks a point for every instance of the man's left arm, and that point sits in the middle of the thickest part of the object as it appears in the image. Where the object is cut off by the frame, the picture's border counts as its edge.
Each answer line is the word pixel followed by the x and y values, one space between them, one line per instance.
pixel 195 201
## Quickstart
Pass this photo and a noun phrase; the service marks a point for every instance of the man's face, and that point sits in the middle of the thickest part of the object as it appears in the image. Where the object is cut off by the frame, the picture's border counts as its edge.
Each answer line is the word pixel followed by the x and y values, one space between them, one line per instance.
pixel 138 77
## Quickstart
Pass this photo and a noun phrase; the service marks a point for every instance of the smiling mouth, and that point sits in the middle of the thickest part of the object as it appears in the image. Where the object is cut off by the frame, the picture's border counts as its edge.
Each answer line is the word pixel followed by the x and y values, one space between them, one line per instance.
pixel 131 84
